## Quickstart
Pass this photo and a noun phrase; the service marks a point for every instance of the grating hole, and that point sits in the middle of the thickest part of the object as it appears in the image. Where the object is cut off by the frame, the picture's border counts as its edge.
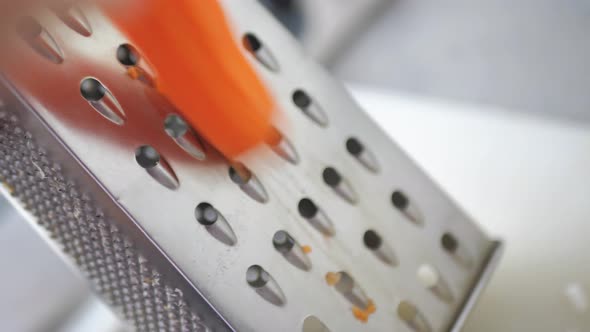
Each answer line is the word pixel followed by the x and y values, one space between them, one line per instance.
pixel 313 111
pixel 251 42
pixel 130 57
pixel 406 311
pixel 405 206
pixel 452 246
pixel 215 223
pixel 410 314
pixel 400 200
pixel 248 182
pixel 383 251
pixel 39 39
pixel 256 276
pixel 284 243
pixel 362 154
pixel 340 186
pixel 206 214
pixel 102 100
pixel 345 284
pixel 331 177
pixel 314 324
pixel 255 47
pixel 147 157
pixel 239 174
pixel 354 147
pixel 92 90
pixel 177 128
pixel 127 55
pixel 372 240
pixel 75 19
pixel 449 243
pixel 282 146
pixel 301 99
pixel 265 285
pixel 307 208
pixel 312 213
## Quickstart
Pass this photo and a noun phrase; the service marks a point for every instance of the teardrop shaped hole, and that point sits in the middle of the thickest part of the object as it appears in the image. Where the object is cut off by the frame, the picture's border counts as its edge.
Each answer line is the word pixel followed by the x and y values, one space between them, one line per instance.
pixel 410 314
pixel 75 19
pixel 158 168
pixel 39 39
pixel 314 324
pixel 215 223
pixel 102 100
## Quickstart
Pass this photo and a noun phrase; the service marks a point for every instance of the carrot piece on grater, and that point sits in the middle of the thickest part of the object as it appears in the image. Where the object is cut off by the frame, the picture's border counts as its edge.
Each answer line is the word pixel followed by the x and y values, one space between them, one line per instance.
pixel 199 68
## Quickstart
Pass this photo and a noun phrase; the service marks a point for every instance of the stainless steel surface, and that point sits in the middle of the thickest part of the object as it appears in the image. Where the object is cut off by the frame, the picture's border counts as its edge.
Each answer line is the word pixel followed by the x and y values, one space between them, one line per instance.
pixel 97 156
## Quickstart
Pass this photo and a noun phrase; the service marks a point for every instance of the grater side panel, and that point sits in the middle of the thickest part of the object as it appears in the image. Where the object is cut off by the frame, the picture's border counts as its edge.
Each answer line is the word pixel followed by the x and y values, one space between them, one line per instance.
pixel 165 216
pixel 112 252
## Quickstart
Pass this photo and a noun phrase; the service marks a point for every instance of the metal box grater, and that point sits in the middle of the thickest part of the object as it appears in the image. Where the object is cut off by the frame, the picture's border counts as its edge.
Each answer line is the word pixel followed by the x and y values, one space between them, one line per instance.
pixel 332 229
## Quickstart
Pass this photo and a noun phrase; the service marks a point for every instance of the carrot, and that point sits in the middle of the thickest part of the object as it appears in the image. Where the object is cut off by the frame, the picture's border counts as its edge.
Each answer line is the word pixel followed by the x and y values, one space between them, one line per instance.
pixel 199 68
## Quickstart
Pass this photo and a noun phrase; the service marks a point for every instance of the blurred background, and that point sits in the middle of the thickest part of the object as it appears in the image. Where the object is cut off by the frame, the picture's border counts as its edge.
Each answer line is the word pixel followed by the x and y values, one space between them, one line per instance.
pixel 491 97
pixel 524 55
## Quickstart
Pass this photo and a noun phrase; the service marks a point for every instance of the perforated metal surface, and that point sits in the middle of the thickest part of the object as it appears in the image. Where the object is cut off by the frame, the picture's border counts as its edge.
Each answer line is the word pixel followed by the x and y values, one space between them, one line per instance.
pixel 204 266
pixel 110 260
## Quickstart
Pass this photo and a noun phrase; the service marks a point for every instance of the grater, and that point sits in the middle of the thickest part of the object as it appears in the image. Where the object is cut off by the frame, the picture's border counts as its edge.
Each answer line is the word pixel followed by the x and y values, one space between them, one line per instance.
pixel 330 227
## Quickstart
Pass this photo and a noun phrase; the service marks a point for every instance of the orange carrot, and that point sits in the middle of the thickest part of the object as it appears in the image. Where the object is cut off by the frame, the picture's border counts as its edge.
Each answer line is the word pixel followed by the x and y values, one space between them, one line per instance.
pixel 199 68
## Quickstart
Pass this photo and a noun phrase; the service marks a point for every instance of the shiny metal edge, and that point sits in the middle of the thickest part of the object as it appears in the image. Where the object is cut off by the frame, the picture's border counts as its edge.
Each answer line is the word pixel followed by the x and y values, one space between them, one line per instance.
pixel 481 281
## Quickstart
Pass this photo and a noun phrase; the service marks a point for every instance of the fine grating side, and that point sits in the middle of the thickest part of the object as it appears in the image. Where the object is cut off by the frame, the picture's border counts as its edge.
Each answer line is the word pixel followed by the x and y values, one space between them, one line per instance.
pixel 125 279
